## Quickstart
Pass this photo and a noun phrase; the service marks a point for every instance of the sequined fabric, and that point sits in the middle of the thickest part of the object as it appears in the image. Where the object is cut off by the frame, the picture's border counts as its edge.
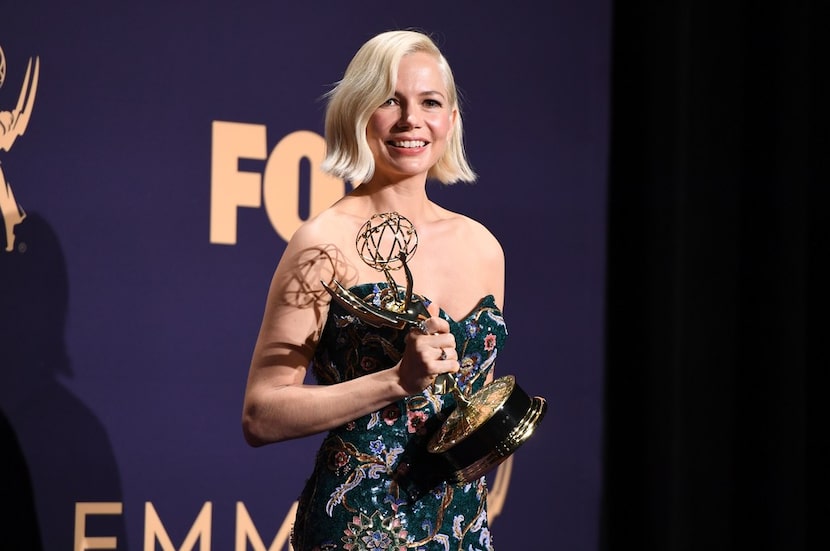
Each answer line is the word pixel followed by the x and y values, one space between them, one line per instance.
pixel 374 486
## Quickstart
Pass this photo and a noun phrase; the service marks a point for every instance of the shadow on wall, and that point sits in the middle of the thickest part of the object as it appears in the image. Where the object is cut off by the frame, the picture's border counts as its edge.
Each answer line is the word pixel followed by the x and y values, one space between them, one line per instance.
pixel 18 523
pixel 65 455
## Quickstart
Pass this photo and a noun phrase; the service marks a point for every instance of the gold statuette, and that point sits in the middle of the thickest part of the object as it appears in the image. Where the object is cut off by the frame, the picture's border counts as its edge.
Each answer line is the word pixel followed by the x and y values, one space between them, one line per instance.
pixel 486 427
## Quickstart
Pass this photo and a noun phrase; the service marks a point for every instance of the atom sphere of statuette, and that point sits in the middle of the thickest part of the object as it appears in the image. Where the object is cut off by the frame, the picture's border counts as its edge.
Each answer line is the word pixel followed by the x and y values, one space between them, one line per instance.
pixel 382 239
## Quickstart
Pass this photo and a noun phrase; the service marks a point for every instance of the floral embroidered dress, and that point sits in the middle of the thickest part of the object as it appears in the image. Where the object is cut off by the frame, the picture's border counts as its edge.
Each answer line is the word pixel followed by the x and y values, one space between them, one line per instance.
pixel 374 485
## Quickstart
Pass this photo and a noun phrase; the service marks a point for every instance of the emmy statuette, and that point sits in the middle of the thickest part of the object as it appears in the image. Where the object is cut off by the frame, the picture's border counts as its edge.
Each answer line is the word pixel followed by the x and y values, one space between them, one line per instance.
pixel 486 427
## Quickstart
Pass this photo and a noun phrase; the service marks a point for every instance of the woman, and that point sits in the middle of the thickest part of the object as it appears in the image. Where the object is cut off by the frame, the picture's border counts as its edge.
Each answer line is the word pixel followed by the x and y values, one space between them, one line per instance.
pixel 392 123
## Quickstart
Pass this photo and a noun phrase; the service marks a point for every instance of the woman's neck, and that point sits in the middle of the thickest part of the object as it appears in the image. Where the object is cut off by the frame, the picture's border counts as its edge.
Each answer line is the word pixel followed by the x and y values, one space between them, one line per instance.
pixel 408 198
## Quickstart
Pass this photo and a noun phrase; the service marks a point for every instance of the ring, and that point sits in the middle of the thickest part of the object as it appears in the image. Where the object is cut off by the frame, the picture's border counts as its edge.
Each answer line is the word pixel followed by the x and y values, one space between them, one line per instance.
pixel 422 327
pixel 443 354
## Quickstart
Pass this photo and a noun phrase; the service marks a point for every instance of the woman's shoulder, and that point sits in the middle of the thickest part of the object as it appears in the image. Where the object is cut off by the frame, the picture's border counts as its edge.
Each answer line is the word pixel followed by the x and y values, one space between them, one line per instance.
pixel 475 232
pixel 327 227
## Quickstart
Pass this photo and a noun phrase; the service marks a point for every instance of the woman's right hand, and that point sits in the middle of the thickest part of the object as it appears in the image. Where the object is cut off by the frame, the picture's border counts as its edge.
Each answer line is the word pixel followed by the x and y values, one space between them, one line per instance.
pixel 428 353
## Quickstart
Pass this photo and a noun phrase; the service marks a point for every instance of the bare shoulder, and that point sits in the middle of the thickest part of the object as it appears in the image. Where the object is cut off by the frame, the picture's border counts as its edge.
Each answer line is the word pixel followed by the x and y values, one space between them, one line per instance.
pixel 464 261
pixel 325 228
pixel 319 250
pixel 477 236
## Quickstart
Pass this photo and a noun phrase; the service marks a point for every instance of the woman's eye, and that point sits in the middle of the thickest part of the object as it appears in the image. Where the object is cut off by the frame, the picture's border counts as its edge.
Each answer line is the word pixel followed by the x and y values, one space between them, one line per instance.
pixel 432 103
pixel 389 102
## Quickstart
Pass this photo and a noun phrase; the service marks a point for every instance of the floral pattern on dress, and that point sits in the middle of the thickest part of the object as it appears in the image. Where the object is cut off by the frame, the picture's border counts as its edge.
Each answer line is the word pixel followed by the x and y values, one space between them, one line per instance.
pixel 358 497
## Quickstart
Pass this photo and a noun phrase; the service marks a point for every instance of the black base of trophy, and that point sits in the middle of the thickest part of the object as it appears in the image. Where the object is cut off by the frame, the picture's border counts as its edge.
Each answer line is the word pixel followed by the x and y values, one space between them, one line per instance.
pixel 484 429
pixel 434 458
pixel 419 471
pixel 481 433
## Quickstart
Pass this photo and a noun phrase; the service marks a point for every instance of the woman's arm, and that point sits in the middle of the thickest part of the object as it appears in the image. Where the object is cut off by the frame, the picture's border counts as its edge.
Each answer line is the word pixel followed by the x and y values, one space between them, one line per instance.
pixel 277 404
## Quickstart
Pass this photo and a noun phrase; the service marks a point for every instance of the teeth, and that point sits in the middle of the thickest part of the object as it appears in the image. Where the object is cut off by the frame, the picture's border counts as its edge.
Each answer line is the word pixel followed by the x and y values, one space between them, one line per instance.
pixel 409 143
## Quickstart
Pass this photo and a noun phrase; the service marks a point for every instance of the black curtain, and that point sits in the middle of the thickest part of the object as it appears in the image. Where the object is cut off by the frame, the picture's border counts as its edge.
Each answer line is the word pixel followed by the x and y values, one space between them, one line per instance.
pixel 713 240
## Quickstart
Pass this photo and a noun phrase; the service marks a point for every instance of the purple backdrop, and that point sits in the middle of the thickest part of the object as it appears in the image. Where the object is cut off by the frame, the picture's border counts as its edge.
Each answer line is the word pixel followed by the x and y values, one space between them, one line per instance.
pixel 126 333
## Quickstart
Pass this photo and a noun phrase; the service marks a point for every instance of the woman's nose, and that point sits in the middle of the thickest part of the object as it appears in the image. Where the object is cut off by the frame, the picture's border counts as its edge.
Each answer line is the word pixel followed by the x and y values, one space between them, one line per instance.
pixel 408 118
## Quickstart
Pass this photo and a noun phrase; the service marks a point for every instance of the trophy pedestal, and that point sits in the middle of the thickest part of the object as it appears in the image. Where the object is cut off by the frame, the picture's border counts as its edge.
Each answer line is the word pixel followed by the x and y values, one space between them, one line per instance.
pixel 486 429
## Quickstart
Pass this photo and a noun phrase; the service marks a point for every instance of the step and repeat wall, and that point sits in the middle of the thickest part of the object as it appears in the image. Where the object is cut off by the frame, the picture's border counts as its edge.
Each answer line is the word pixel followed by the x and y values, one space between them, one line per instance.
pixel 156 156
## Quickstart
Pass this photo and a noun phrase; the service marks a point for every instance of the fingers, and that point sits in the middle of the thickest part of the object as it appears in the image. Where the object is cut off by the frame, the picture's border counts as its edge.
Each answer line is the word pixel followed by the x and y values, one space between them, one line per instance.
pixel 430 349
pixel 433 325
pixel 433 309
pixel 434 348
pixel 433 339
pixel 448 354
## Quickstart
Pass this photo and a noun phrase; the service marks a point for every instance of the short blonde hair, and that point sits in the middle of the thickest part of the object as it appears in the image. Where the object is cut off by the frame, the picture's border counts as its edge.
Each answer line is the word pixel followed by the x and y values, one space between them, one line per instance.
pixel 370 80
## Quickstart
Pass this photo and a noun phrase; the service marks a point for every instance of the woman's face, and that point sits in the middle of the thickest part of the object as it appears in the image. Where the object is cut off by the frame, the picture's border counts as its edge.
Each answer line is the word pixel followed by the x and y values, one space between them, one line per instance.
pixel 409 132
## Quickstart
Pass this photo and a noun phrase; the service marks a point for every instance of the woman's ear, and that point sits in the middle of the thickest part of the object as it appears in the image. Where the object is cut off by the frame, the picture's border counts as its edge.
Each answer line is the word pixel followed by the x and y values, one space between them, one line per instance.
pixel 453 119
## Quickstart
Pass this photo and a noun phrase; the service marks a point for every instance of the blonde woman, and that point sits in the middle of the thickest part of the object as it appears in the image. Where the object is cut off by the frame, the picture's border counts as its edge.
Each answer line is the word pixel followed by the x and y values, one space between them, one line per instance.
pixel 392 123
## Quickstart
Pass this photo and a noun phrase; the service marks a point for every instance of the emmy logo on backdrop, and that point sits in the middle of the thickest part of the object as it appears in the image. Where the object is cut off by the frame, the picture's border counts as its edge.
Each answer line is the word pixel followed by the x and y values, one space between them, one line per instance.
pixel 486 427
pixel 13 124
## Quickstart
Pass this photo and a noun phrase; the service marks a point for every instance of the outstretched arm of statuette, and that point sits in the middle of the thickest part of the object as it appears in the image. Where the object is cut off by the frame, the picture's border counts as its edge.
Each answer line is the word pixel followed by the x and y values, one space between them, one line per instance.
pixel 15 125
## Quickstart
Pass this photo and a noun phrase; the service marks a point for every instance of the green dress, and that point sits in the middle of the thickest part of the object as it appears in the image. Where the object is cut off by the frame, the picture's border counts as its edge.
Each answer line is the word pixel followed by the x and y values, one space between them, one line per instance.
pixel 374 486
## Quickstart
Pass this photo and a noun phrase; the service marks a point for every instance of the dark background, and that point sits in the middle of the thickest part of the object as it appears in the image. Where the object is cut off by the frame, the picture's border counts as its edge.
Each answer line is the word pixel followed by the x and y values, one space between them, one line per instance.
pixel 714 237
